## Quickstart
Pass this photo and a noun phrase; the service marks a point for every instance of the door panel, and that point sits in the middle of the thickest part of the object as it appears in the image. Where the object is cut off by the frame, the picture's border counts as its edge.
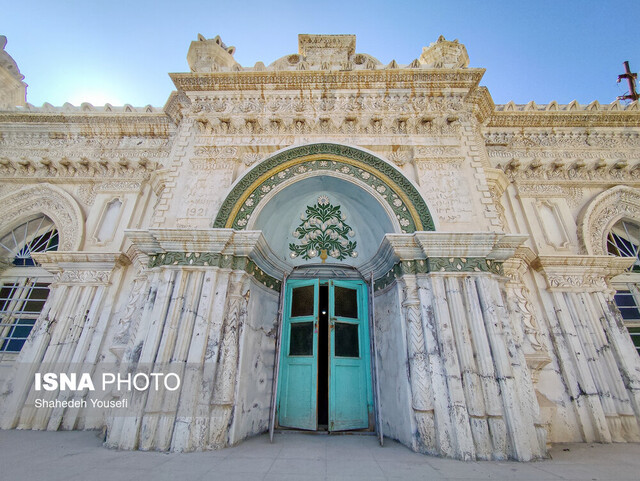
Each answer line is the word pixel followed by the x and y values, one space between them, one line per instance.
pixel 350 398
pixel 297 390
pixel 350 395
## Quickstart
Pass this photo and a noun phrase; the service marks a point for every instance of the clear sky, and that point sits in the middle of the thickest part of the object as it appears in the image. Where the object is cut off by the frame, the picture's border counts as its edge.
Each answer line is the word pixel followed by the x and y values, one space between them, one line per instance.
pixel 121 51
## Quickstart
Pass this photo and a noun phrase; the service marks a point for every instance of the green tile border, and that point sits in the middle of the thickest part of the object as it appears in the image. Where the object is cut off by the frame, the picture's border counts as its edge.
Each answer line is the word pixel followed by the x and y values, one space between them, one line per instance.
pixel 373 173
pixel 438 264
pixel 212 259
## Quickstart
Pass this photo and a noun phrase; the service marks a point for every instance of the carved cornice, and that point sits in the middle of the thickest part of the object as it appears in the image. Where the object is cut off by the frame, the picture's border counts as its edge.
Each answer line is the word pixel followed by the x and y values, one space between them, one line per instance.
pixel 575 170
pixel 374 113
pixel 581 138
pixel 441 252
pixel 482 102
pixel 75 168
pixel 432 79
pixel 209 248
pixel 573 118
pixel 84 268
pixel 93 124
pixel 580 273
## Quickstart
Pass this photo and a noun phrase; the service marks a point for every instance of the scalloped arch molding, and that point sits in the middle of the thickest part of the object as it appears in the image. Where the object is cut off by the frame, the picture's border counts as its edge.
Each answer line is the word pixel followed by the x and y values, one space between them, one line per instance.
pixel 51 201
pixel 603 212
pixel 402 198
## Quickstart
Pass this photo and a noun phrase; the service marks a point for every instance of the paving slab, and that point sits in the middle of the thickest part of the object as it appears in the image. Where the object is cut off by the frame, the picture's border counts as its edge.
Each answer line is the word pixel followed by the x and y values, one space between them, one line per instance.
pixel 80 455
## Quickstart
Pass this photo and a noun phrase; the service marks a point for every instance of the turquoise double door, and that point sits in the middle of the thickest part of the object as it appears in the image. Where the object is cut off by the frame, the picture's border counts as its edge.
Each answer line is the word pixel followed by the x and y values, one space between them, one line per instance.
pixel 325 378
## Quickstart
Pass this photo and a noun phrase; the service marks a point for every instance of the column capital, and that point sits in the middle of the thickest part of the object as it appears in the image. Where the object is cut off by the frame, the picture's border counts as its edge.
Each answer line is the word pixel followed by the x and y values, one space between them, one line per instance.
pixel 580 273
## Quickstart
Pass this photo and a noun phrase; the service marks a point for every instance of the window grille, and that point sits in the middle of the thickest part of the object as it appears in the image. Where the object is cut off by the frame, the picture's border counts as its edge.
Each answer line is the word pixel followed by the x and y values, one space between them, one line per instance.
pixel 23 292
pixel 624 241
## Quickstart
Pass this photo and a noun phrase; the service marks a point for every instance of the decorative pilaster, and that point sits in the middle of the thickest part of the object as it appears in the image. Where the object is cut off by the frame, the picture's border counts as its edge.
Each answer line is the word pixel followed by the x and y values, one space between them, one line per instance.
pixel 468 374
pixel 422 395
pixel 191 321
pixel 593 353
pixel 222 404
pixel 67 334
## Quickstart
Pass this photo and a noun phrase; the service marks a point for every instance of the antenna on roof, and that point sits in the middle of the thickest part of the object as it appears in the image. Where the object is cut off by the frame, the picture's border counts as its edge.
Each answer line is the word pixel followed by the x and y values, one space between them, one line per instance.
pixel 631 79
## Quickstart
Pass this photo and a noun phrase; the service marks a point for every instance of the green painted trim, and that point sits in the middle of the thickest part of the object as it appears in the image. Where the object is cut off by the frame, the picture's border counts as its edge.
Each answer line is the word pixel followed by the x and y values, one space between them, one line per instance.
pixel 212 259
pixel 438 264
pixel 236 216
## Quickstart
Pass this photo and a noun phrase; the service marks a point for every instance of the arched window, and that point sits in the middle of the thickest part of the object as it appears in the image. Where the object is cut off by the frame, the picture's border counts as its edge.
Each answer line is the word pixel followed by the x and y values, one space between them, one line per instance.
pixel 24 286
pixel 624 241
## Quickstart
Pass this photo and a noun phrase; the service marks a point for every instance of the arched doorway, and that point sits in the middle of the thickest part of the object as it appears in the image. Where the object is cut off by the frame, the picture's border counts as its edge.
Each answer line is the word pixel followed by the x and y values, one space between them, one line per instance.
pixel 325 379
pixel 324 226
pixel 324 210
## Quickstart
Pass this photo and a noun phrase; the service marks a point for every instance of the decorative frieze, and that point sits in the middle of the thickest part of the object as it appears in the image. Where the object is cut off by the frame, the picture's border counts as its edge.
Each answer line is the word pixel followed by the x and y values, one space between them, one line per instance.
pixel 580 273
pixel 214 259
pixel 577 139
pixel 331 80
pixel 438 264
pixel 74 168
pixel 567 118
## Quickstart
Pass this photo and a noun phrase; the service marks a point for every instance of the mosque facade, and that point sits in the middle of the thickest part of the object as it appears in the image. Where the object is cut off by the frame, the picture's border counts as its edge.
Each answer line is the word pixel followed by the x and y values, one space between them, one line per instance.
pixel 325 243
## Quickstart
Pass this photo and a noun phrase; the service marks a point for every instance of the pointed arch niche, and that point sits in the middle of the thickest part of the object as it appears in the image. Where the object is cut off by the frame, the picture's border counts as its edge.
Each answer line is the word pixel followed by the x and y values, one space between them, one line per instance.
pixel 51 201
pixel 617 203
pixel 374 197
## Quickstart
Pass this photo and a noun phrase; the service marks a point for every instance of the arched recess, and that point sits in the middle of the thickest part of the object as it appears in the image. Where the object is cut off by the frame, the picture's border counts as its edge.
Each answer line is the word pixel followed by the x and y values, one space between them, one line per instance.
pixel 51 201
pixel 396 191
pixel 363 221
pixel 620 202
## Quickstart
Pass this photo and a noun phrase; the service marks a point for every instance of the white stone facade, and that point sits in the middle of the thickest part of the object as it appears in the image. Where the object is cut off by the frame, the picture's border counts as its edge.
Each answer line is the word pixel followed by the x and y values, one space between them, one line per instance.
pixel 484 228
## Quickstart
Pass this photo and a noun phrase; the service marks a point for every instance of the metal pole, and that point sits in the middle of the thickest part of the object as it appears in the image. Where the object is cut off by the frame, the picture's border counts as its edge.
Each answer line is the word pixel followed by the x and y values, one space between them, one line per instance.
pixel 374 360
pixel 276 363
pixel 631 80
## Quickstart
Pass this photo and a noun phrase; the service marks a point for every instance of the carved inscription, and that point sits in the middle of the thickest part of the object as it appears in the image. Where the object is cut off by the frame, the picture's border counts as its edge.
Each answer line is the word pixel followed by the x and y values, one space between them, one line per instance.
pixel 446 190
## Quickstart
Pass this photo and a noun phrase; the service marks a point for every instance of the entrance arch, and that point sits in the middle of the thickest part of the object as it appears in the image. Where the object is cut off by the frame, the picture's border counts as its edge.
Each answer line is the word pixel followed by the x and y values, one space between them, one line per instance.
pixel 398 193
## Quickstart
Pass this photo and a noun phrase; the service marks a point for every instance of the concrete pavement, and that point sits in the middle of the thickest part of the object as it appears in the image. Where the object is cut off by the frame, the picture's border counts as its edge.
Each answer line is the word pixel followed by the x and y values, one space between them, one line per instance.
pixel 78 455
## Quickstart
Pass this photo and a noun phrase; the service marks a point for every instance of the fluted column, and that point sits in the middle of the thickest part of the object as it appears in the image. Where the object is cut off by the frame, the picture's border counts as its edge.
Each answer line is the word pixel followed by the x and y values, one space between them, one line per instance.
pixel 63 340
pixel 467 367
pixel 421 392
pixel 222 402
pixel 593 353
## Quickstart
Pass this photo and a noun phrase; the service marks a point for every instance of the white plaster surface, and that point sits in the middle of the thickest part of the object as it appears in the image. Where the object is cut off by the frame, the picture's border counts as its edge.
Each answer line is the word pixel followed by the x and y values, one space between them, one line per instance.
pixel 393 370
pixel 255 369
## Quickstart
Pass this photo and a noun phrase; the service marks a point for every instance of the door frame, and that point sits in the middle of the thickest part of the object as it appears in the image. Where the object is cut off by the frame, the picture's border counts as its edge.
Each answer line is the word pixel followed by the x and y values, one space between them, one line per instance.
pixel 365 345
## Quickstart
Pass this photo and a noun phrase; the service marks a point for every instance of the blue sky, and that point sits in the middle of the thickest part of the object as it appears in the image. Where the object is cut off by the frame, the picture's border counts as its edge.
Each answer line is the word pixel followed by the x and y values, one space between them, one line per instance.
pixel 120 52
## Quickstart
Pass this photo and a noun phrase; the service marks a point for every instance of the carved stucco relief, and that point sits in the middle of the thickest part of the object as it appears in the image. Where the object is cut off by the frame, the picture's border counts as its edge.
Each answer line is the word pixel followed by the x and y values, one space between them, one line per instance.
pixel 603 212
pixel 51 201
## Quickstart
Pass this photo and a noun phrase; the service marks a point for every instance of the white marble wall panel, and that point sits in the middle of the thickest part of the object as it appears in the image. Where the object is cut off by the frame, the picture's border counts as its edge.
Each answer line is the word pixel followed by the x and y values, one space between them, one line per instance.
pixel 393 369
pixel 255 369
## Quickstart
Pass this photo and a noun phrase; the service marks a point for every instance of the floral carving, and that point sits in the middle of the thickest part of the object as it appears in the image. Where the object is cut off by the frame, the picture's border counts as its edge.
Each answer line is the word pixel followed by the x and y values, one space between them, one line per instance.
pixel 360 165
pixel 604 211
pixel 51 201
pixel 324 232
pixel 84 277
